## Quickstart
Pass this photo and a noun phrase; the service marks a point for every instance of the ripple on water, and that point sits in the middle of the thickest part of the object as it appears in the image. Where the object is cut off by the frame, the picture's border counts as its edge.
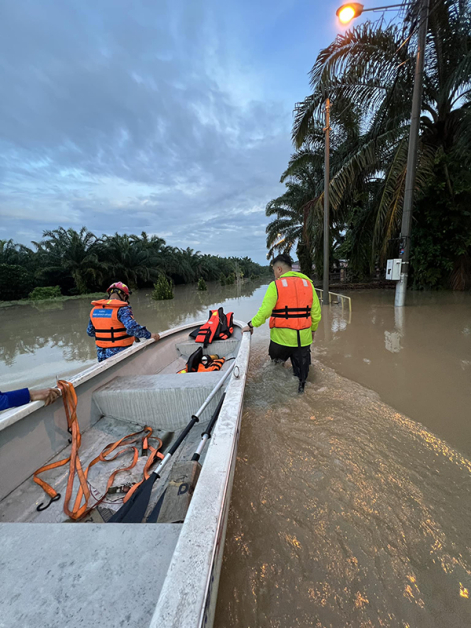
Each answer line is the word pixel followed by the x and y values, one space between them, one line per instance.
pixel 344 512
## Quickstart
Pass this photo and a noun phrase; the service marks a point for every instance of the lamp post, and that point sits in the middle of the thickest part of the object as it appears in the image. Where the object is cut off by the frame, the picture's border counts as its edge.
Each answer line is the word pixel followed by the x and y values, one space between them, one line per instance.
pixel 346 13
pixel 401 285
pixel 325 284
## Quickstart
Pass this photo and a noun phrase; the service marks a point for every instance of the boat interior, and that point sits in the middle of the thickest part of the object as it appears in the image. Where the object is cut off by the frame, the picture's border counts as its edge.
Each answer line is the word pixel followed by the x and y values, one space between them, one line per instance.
pixel 156 396
pixel 59 575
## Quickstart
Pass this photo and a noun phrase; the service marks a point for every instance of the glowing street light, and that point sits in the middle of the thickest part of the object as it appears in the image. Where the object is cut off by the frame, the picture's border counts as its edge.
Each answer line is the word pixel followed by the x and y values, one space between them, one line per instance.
pixel 347 12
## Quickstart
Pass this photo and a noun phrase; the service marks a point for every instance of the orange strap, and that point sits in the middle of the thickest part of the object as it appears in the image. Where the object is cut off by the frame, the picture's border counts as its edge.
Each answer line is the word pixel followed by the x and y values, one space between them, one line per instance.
pixel 128 443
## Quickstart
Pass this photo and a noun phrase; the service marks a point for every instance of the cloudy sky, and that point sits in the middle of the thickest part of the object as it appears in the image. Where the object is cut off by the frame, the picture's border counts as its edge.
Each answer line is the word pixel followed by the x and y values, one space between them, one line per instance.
pixel 168 117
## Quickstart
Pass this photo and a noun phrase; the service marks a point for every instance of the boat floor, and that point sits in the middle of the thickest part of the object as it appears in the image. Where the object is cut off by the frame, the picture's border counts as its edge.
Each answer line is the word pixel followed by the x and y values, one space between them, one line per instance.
pixel 56 575
pixel 21 504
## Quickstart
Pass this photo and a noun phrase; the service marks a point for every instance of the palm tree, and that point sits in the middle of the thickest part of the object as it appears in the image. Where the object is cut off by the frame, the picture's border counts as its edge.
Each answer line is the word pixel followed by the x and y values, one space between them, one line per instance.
pixel 128 259
pixel 66 254
pixel 371 66
pixel 189 264
pixel 16 254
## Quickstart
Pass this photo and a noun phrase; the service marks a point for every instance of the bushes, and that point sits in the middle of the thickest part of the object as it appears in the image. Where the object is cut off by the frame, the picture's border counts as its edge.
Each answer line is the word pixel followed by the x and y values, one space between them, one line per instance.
pixel 48 292
pixel 163 289
pixel 15 282
pixel 202 284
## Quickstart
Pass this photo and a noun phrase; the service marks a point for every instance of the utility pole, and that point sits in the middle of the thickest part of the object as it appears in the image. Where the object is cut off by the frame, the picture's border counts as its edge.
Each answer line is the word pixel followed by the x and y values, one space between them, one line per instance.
pixel 325 288
pixel 404 254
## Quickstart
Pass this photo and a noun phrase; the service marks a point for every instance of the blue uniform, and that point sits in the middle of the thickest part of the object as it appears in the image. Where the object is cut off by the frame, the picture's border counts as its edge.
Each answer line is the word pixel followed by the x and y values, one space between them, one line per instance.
pixel 14 398
pixel 132 328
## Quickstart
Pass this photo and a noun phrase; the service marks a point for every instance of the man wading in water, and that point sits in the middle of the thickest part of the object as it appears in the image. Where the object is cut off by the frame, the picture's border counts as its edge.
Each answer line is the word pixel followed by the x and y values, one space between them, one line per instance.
pixel 293 307
pixel 112 323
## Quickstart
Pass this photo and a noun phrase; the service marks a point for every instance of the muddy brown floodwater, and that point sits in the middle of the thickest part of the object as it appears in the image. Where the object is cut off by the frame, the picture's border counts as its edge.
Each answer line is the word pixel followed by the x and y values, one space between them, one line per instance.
pixel 351 503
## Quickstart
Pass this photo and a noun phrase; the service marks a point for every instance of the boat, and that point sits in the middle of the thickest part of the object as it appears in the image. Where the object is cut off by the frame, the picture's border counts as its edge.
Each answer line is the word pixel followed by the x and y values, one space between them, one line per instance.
pixel 93 572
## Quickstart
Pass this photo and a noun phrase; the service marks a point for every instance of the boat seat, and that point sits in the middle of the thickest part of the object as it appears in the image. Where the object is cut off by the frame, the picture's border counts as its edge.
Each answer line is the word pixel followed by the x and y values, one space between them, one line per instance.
pixel 223 348
pixel 164 402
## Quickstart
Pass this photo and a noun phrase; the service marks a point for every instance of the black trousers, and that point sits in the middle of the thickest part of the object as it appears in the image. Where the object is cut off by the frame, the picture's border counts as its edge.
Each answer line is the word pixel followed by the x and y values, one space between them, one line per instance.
pixel 300 358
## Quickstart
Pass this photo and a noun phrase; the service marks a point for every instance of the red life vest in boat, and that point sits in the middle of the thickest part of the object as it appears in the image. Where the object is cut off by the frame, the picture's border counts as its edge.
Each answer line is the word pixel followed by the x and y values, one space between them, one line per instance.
pixel 218 327
pixel 293 307
pixel 109 330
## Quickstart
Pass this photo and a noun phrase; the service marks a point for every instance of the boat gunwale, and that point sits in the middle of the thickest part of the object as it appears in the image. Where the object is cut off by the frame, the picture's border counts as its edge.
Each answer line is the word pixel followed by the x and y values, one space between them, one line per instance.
pixel 14 415
pixel 188 595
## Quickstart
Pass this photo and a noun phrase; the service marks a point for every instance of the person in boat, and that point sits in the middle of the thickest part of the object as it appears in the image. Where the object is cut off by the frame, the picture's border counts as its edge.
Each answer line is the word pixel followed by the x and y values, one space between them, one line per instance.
pixel 21 397
pixel 112 323
pixel 292 305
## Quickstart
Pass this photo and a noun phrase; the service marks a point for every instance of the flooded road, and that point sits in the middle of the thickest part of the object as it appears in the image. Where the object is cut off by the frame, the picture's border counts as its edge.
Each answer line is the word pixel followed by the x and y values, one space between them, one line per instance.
pixel 418 358
pixel 351 504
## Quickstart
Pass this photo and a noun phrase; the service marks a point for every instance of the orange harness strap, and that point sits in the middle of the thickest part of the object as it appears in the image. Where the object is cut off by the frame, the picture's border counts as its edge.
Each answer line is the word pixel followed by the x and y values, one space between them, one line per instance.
pixel 128 443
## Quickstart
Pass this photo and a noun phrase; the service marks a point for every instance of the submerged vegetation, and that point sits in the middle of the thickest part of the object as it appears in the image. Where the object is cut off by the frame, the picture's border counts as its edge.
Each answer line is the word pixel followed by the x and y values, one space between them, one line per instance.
pixel 163 289
pixel 42 294
pixel 202 284
pixel 79 262
pixel 368 73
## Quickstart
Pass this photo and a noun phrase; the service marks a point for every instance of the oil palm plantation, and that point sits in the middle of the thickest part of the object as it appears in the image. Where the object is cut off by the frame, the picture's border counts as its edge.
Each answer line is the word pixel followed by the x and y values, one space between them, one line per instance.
pixel 79 262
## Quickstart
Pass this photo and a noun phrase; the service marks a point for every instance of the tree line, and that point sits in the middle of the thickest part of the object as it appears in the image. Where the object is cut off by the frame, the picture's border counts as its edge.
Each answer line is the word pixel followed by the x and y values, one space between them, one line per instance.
pixel 79 262
pixel 368 74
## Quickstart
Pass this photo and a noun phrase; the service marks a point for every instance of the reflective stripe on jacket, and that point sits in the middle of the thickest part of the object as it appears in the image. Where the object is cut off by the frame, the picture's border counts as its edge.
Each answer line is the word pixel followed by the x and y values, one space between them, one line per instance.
pixel 293 306
pixel 109 330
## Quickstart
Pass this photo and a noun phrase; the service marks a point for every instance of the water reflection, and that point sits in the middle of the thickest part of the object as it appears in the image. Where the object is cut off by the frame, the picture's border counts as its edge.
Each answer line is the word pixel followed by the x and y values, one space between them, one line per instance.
pixel 392 339
pixel 417 357
pixel 28 329
pixel 43 338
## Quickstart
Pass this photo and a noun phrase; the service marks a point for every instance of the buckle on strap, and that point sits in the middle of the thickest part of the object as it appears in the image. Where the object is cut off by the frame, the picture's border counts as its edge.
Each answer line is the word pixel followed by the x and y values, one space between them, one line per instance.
pixel 292 312
pixel 124 488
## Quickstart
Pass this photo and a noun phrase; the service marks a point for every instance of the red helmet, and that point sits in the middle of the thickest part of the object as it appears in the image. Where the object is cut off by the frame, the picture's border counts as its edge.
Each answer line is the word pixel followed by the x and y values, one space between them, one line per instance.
pixel 119 287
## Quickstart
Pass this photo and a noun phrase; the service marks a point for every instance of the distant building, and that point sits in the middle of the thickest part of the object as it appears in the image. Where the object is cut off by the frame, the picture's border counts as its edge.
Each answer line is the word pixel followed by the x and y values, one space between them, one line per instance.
pixel 296 267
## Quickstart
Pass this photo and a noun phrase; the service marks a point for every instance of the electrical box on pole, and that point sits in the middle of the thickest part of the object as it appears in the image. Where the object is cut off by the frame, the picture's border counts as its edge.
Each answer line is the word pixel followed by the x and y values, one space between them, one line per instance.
pixel 393 269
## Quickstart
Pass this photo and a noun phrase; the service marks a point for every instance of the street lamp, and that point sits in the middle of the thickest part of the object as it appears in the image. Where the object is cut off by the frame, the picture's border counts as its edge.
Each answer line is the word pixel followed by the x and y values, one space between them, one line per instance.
pixel 354 10
pixel 347 12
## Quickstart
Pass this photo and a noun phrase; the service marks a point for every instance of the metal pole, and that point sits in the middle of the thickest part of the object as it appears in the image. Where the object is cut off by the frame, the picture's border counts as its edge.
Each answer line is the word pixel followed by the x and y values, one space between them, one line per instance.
pixel 325 293
pixel 401 285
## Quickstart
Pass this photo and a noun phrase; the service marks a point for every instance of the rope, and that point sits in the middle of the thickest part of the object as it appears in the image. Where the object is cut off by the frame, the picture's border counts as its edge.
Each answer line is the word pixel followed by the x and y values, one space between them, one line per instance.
pixel 128 444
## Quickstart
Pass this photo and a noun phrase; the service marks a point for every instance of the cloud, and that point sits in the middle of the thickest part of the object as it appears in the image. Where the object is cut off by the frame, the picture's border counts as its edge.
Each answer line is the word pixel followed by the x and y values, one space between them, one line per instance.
pixel 136 116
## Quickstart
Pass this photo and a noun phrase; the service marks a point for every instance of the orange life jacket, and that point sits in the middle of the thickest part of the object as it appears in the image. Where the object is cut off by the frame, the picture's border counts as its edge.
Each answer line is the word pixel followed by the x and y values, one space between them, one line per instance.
pixel 293 307
pixel 218 326
pixel 109 330
pixel 215 365
pixel 194 364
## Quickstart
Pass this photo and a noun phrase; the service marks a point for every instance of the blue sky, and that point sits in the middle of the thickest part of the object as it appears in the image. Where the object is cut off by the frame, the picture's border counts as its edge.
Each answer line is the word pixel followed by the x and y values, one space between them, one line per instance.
pixel 168 117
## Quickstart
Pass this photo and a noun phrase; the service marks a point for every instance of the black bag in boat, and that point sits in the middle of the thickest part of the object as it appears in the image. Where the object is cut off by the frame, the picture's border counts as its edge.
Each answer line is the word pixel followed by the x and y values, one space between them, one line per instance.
pixel 199 363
